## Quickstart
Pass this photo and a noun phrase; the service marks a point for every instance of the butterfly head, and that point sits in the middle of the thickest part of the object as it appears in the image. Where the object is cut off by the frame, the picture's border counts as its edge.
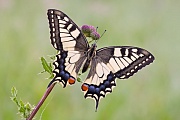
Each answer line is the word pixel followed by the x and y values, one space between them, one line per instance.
pixel 94 46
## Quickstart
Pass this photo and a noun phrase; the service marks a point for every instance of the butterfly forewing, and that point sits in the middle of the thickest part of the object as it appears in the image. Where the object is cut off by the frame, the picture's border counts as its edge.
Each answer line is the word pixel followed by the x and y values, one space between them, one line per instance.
pixel 114 62
pixel 65 34
pixel 124 61
pixel 67 38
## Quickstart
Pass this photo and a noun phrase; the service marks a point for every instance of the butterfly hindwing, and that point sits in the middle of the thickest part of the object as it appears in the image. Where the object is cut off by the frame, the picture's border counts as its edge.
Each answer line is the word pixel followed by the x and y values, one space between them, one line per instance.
pixel 111 63
pixel 67 38
pixel 99 81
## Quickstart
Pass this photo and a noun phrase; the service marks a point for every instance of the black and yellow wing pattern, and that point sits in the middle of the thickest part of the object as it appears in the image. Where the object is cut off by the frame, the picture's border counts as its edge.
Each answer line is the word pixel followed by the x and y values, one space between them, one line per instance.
pixel 106 64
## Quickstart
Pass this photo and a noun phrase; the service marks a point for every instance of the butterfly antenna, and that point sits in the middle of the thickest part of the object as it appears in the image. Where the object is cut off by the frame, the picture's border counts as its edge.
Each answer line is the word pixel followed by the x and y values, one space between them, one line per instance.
pixel 103 33
pixel 96 28
pixel 100 36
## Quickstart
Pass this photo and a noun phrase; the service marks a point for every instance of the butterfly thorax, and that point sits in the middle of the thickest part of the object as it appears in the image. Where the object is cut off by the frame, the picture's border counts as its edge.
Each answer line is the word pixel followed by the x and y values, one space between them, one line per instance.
pixel 89 54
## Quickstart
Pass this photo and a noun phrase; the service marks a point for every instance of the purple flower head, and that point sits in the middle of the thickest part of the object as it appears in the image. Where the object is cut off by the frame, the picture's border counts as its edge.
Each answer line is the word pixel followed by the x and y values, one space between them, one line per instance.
pixel 92 28
pixel 87 30
pixel 95 35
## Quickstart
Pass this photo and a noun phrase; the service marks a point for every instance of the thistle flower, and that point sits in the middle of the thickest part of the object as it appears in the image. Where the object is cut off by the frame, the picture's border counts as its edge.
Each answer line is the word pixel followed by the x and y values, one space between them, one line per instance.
pixel 95 35
pixel 87 30
pixel 92 28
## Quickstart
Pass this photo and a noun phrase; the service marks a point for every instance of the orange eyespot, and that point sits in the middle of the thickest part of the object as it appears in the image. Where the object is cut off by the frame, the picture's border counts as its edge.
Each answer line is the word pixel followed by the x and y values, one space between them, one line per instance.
pixel 84 87
pixel 71 80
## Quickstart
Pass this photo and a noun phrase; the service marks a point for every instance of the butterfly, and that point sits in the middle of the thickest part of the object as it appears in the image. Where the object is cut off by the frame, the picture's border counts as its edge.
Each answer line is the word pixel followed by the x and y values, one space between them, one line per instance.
pixel 75 55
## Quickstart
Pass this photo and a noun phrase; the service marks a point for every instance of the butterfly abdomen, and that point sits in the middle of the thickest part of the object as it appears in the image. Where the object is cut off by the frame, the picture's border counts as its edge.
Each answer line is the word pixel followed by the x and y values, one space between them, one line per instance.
pixel 86 65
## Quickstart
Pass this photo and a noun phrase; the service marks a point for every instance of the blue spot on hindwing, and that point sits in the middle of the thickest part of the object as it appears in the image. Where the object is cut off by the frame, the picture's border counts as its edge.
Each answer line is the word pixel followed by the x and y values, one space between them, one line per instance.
pixel 61 67
pixel 61 73
pixel 107 83
pixel 66 76
pixel 61 61
pixel 64 55
pixel 102 87
pixel 91 89
pixel 97 91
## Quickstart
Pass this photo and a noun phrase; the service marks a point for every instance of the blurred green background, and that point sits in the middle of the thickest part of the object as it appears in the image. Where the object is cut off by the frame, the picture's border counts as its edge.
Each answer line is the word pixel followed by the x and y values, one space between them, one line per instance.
pixel 152 94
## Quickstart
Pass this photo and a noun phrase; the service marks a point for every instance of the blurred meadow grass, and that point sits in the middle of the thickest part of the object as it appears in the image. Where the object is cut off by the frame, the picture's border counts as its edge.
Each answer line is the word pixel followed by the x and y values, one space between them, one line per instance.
pixel 152 94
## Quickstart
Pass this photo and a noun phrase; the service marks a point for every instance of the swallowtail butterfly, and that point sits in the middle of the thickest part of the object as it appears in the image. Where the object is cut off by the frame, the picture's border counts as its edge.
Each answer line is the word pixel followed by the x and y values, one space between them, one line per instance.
pixel 106 64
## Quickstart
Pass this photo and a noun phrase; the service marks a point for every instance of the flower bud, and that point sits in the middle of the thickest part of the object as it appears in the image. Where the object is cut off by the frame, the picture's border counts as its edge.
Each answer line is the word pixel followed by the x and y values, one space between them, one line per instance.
pixel 95 35
pixel 86 30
